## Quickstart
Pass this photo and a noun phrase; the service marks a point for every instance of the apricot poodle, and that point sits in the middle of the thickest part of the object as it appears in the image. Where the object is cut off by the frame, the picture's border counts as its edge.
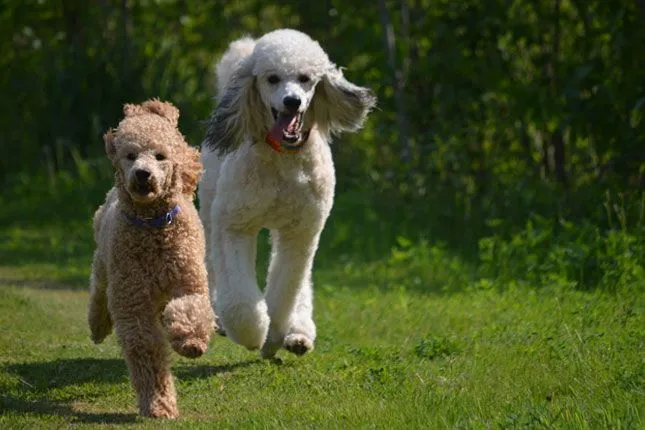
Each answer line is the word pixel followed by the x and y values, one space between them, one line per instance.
pixel 148 275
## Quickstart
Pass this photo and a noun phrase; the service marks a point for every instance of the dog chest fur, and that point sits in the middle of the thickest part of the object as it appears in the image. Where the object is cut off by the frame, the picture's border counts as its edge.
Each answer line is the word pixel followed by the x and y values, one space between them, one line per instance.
pixel 265 189
pixel 153 254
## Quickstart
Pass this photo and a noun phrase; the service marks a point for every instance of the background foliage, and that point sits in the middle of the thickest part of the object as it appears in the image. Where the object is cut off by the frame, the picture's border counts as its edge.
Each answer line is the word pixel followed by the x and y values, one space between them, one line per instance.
pixel 502 124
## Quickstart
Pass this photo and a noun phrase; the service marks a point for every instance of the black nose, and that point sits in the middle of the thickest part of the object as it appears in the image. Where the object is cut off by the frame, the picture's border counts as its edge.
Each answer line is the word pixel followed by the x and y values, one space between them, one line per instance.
pixel 142 175
pixel 291 103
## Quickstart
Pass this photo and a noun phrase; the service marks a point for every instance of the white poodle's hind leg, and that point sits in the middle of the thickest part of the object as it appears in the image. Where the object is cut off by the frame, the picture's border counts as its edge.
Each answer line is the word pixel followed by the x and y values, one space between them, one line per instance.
pixel 289 292
pixel 206 193
pixel 302 332
pixel 219 329
pixel 238 301
pixel 204 215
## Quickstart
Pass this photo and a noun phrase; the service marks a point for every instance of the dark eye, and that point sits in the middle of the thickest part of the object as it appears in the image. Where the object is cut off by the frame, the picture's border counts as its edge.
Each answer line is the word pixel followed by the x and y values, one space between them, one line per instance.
pixel 304 78
pixel 131 156
pixel 160 157
pixel 273 79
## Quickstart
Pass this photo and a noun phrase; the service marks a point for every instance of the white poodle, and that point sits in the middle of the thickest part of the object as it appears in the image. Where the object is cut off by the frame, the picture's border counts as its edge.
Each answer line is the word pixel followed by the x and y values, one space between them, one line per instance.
pixel 268 165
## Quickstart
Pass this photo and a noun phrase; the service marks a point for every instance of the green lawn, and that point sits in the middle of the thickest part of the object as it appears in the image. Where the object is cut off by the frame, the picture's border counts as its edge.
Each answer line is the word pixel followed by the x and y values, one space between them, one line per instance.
pixel 395 350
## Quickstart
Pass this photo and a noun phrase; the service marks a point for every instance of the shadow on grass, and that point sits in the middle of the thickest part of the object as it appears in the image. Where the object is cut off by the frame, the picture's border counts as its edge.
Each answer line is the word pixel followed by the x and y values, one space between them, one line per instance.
pixel 50 407
pixel 63 372
pixel 204 371
pixel 39 378
pixel 64 282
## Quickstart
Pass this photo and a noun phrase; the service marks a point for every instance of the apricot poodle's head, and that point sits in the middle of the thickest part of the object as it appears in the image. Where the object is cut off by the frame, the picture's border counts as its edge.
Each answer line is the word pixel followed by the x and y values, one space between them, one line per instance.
pixel 151 157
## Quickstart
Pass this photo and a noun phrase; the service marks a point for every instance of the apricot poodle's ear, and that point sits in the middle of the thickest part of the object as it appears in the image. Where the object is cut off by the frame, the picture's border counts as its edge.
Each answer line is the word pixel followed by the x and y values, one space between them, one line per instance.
pixel 110 149
pixel 240 112
pixel 191 170
pixel 339 105
pixel 163 109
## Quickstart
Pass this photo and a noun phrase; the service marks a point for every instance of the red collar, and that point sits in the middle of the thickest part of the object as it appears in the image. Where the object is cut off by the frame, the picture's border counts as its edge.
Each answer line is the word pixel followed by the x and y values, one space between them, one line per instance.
pixel 279 147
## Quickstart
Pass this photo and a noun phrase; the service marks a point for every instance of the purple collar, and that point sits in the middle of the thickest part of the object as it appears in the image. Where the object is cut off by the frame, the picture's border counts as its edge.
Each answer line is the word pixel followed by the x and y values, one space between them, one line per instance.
pixel 158 222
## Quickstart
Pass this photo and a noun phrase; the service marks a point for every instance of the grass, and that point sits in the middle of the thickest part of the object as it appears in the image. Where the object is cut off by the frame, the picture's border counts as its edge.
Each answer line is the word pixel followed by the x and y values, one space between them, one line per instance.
pixel 413 339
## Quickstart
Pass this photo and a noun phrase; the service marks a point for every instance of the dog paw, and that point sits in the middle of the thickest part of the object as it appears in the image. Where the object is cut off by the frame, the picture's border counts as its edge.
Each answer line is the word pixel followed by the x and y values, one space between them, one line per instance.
pixel 298 344
pixel 190 348
pixel 246 324
pixel 167 412
pixel 219 329
pixel 270 348
pixel 100 332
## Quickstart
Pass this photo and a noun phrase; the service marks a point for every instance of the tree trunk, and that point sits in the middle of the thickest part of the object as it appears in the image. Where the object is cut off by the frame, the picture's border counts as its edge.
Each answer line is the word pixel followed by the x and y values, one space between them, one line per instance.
pixel 125 42
pixel 557 139
pixel 397 80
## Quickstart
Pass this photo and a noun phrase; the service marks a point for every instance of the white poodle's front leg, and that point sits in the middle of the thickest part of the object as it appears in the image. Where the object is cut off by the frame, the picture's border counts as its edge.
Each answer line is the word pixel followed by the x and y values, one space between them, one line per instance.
pixel 302 330
pixel 288 294
pixel 238 301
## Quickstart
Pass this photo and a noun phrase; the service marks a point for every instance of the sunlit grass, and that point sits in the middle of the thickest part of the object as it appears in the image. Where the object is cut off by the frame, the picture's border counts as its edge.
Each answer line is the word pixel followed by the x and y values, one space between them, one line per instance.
pixel 386 356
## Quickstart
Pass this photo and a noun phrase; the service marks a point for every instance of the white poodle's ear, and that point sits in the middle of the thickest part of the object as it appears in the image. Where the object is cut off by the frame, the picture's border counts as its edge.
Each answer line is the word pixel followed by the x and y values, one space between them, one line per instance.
pixel 239 113
pixel 340 105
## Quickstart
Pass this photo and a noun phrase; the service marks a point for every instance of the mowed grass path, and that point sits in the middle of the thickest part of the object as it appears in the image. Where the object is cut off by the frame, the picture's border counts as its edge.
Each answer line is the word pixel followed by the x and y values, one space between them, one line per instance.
pixel 392 352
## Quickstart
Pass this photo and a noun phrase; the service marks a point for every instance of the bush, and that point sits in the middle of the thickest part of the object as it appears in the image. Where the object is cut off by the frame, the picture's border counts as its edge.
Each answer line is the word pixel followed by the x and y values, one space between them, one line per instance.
pixel 559 252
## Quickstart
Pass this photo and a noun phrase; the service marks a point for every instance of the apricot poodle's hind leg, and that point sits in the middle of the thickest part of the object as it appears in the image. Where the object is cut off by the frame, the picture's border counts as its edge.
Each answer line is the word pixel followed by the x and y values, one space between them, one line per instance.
pixel 189 321
pixel 146 353
pixel 98 315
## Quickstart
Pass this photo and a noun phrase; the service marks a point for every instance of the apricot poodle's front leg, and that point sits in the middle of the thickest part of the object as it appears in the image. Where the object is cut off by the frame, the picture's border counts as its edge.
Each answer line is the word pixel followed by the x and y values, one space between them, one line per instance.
pixel 98 315
pixel 146 353
pixel 189 321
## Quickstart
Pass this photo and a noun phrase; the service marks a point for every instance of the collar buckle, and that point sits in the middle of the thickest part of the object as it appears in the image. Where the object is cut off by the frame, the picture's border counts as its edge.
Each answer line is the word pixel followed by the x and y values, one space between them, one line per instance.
pixel 158 222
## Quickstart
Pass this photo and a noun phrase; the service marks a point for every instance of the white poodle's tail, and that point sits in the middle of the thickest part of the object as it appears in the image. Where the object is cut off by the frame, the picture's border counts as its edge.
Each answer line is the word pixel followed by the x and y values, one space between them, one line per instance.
pixel 230 61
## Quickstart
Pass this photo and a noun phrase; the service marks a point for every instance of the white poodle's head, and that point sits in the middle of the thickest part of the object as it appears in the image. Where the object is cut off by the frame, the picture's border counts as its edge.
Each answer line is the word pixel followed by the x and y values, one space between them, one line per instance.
pixel 282 87
pixel 151 157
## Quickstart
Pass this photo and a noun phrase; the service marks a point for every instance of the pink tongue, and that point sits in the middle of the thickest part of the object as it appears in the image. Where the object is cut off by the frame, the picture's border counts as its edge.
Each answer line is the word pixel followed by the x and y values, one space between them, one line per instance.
pixel 284 122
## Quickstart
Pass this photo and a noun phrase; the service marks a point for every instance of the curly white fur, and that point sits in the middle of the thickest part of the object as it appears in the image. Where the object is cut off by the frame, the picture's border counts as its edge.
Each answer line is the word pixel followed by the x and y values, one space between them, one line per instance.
pixel 248 186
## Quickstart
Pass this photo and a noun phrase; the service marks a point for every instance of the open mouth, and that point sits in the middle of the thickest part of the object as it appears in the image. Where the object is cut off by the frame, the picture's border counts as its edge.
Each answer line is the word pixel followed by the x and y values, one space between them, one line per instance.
pixel 287 128
pixel 142 189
